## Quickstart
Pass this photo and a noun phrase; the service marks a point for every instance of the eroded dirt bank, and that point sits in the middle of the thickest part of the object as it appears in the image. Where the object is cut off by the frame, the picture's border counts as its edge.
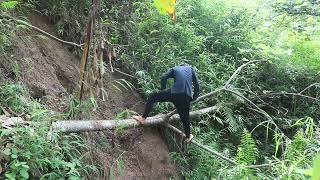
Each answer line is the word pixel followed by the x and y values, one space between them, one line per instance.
pixel 49 69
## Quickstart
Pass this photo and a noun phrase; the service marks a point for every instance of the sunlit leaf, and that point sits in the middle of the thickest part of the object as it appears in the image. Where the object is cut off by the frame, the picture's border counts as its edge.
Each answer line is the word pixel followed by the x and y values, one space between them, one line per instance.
pixel 8 4
pixel 316 168
pixel 166 6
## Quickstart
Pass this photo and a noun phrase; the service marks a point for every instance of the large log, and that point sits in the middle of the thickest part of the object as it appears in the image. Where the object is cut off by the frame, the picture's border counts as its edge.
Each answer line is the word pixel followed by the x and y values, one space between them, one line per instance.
pixel 97 125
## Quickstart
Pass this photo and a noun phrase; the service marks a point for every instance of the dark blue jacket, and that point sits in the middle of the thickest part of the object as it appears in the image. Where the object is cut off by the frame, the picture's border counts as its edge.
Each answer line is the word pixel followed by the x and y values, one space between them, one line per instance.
pixel 184 76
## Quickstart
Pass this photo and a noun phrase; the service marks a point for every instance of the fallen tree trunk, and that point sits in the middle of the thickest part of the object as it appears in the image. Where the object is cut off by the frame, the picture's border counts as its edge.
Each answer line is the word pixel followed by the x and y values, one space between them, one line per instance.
pixel 97 125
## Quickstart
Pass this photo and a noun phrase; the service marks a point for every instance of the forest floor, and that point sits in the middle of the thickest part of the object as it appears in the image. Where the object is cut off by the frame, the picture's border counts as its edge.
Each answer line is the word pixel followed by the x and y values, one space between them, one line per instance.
pixel 49 71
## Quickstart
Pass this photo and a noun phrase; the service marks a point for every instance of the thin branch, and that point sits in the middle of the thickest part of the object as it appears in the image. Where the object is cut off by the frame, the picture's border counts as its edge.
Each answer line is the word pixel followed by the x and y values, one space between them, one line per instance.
pixel 215 153
pixel 236 73
pixel 206 148
pixel 123 73
pixel 259 110
pixel 119 45
pixel 226 85
pixel 265 103
pixel 311 85
pixel 263 165
pixel 41 31
pixel 250 102
pixel 293 94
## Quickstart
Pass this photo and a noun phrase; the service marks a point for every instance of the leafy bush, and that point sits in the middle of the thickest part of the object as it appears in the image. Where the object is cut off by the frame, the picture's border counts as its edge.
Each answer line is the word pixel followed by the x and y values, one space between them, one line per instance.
pixel 28 151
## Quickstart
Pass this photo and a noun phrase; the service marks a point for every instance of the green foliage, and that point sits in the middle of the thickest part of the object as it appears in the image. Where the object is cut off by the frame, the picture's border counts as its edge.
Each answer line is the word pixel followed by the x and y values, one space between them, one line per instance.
pixel 194 165
pixel 76 107
pixel 116 167
pixel 298 155
pixel 126 114
pixel 165 6
pixel 8 4
pixel 6 35
pixel 12 95
pixel 235 122
pixel 305 53
pixel 316 168
pixel 198 43
pixel 247 150
pixel 28 151
pixel 216 37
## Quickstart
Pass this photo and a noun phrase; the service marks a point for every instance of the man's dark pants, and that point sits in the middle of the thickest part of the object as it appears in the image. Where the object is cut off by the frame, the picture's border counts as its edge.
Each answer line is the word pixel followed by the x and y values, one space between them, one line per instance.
pixel 181 101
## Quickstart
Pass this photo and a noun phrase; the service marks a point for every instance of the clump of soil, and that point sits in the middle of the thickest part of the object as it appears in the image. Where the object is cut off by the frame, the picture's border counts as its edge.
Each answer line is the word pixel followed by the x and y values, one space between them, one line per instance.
pixel 49 69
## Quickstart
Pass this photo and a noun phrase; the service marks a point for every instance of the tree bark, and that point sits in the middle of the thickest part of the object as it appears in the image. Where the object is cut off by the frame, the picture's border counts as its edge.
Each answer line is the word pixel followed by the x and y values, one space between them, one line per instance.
pixel 97 125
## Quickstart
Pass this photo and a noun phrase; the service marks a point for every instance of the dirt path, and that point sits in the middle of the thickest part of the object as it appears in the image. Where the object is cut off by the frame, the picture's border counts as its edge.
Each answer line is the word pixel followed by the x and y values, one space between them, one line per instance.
pixel 49 69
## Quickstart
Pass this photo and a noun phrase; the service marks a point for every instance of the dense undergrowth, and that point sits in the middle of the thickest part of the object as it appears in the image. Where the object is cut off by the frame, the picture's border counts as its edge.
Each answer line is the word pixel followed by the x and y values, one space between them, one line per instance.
pixel 216 37
pixel 31 151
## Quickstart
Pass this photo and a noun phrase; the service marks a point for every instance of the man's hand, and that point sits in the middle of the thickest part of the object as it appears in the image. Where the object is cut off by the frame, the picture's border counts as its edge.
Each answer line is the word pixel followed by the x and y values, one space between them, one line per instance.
pixel 140 119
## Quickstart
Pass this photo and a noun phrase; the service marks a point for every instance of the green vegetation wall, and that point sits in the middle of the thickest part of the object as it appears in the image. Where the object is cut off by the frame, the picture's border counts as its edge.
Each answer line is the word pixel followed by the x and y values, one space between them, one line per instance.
pixel 216 37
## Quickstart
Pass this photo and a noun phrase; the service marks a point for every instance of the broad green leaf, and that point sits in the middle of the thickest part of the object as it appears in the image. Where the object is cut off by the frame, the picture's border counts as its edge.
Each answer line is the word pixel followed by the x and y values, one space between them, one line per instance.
pixel 14 156
pixel 8 4
pixel 10 175
pixel 316 168
pixel 166 6
pixel 24 173
pixel 7 152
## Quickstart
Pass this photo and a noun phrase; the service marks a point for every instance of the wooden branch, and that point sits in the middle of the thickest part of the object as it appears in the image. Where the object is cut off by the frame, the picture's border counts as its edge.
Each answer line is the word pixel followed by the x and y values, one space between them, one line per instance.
pixel 311 85
pixel 226 85
pixel 123 73
pixel 250 102
pixel 97 125
pixel 263 165
pixel 215 153
pixel 293 94
pixel 261 111
pixel 235 74
pixel 206 148
pixel 41 31
pixel 115 45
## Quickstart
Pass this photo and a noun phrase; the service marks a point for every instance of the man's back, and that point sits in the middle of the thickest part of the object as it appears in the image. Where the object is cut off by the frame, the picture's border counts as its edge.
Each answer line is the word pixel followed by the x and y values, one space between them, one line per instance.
pixel 184 76
pixel 180 95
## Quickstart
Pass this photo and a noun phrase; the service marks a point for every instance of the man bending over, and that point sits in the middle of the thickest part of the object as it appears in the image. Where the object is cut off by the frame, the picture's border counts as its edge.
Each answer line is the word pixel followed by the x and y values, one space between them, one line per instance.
pixel 180 94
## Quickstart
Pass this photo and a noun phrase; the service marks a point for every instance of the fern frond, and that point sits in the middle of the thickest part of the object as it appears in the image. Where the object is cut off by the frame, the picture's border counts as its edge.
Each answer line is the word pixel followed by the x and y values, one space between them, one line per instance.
pixel 247 150
pixel 235 122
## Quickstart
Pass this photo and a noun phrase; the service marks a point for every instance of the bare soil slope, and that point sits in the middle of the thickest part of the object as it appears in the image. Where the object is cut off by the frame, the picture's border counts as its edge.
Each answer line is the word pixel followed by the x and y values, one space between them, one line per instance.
pixel 48 69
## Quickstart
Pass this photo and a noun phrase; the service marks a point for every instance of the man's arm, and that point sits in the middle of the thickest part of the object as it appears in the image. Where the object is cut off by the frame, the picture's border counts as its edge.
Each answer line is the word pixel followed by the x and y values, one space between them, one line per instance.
pixel 165 77
pixel 195 82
